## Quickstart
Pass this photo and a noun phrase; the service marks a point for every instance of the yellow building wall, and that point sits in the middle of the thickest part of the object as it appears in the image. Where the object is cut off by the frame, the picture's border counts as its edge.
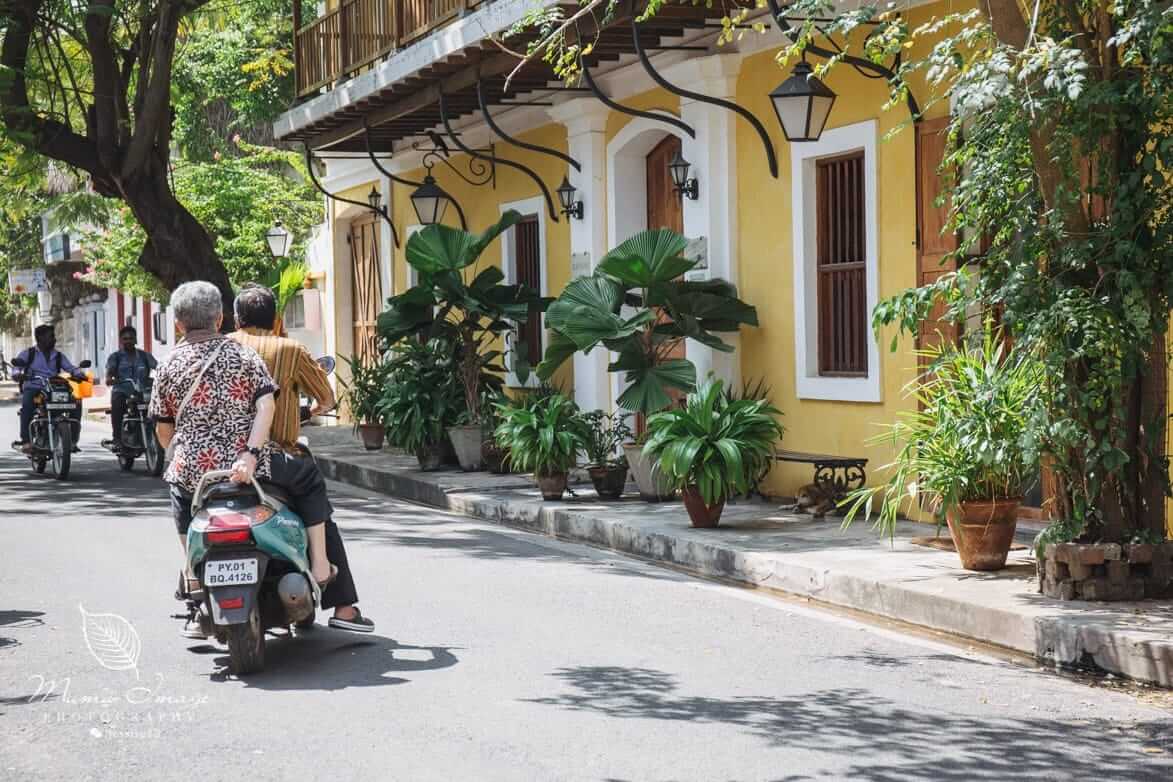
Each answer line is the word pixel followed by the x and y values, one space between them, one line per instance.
pixel 482 207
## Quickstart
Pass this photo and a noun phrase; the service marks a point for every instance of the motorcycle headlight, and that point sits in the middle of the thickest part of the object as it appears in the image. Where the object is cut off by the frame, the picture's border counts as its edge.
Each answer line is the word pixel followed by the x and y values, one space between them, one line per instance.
pixel 61 396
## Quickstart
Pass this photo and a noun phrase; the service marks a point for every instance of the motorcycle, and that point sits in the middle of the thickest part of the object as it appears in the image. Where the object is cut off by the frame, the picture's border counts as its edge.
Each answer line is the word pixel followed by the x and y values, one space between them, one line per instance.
pixel 250 554
pixel 56 424
pixel 138 430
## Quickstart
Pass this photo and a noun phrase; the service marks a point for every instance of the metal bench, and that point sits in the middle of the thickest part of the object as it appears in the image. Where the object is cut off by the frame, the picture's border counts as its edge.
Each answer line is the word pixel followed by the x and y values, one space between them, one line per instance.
pixel 836 474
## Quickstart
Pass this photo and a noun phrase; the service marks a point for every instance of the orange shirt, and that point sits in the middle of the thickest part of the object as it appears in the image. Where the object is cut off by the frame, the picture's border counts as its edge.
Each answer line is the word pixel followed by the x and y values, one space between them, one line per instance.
pixel 295 372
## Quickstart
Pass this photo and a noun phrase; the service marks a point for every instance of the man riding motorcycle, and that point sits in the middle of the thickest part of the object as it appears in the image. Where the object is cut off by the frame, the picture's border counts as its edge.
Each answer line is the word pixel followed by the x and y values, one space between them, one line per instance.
pixel 294 370
pixel 37 365
pixel 123 368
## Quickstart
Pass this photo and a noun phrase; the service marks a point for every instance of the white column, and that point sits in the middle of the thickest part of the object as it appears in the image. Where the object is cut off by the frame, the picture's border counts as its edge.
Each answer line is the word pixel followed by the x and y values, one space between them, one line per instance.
pixel 585 120
pixel 713 216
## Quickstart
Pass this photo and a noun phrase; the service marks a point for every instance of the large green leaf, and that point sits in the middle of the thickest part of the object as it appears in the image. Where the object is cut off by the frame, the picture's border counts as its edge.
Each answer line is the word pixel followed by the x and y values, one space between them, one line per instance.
pixel 438 248
pixel 647 258
pixel 647 389
pixel 558 350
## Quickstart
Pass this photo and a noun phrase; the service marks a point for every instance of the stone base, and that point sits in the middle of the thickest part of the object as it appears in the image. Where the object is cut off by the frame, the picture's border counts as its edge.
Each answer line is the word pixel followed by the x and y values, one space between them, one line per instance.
pixel 1106 571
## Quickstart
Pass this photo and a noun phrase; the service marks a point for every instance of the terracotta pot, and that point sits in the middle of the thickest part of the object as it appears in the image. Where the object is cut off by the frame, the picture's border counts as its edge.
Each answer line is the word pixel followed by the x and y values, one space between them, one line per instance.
pixel 653 485
pixel 609 481
pixel 982 531
pixel 372 436
pixel 467 441
pixel 431 457
pixel 552 486
pixel 495 458
pixel 699 513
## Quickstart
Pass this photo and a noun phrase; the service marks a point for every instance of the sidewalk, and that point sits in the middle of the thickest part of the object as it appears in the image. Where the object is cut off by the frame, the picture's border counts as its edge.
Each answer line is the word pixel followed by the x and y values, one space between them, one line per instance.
pixel 761 546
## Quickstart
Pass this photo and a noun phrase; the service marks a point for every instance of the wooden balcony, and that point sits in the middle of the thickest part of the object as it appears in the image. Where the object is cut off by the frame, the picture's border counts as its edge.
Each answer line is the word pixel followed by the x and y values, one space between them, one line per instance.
pixel 356 33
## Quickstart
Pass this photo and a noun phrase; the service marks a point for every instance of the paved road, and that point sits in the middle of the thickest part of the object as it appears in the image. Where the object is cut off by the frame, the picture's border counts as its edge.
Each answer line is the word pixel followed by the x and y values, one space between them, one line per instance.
pixel 499 656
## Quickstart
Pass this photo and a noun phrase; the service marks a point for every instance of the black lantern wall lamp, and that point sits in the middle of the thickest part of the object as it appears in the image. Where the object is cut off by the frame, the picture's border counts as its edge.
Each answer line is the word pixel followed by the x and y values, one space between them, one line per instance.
pixel 570 207
pixel 429 201
pixel 682 185
pixel 802 102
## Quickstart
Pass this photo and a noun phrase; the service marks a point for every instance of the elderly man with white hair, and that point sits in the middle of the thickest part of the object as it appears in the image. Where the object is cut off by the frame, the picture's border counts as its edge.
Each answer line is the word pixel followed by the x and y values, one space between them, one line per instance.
pixel 213 400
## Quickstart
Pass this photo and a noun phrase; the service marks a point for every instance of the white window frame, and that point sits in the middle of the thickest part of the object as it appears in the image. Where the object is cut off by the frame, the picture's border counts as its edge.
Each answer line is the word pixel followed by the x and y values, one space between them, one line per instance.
pixel 528 207
pixel 834 142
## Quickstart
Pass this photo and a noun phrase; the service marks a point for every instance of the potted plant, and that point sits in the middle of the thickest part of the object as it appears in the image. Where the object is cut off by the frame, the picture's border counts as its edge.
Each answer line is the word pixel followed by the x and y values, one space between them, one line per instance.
pixel 494 456
pixel 543 434
pixel 638 305
pixel 361 396
pixel 606 465
pixel 474 314
pixel 967 452
pixel 713 446
pixel 420 399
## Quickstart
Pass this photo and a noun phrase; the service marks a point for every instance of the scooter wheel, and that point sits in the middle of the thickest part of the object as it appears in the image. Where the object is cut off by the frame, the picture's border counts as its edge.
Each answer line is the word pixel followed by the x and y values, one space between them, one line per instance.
pixel 246 645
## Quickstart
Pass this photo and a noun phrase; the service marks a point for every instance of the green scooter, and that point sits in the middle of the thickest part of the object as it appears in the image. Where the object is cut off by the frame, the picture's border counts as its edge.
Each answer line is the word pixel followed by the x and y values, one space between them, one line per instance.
pixel 249 552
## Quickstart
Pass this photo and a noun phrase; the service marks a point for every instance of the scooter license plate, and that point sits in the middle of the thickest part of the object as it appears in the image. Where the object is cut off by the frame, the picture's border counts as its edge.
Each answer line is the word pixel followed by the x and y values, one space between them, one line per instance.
pixel 230 572
pixel 59 406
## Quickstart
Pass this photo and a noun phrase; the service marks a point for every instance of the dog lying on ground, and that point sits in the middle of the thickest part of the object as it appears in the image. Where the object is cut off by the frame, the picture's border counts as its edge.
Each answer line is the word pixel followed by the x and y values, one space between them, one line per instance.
pixel 813 499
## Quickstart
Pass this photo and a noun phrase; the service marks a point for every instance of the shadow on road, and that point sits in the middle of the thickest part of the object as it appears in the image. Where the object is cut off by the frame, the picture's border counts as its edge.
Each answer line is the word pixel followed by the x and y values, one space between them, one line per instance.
pixel 95 486
pixel 18 620
pixel 328 660
pixel 886 742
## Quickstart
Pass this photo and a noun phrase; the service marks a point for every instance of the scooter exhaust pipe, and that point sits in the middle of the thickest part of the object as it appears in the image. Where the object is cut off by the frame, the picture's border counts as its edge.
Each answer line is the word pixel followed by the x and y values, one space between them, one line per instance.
pixel 296 595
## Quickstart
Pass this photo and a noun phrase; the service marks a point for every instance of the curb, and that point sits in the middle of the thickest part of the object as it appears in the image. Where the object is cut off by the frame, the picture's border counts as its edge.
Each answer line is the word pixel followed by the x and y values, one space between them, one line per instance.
pixel 1066 637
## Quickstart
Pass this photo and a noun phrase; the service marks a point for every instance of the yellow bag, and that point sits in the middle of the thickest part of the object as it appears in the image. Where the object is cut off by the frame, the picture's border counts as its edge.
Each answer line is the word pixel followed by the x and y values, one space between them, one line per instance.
pixel 84 389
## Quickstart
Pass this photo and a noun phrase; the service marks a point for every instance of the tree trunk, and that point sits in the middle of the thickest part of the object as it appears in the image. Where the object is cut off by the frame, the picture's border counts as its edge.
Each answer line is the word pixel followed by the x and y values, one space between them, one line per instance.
pixel 178 248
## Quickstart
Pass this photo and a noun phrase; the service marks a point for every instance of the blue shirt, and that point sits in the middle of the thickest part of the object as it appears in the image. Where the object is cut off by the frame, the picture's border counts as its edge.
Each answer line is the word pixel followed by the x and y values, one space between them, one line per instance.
pixel 42 366
pixel 126 367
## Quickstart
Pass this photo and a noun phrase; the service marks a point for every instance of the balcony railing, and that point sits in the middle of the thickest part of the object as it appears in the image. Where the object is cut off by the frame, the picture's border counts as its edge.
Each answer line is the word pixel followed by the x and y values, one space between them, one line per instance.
pixel 358 32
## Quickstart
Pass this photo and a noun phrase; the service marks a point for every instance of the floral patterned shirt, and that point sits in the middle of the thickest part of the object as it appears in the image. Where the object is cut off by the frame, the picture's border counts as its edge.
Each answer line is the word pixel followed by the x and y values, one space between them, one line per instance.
pixel 216 423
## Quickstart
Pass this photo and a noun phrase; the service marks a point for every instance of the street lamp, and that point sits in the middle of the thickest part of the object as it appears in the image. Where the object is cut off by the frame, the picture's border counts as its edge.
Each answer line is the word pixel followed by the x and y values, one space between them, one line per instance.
pixel 681 184
pixel 429 201
pixel 802 104
pixel 375 199
pixel 570 207
pixel 279 240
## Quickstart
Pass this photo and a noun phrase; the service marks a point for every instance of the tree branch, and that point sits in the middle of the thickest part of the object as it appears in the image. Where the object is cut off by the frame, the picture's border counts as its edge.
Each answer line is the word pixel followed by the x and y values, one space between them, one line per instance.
pixel 151 123
pixel 107 122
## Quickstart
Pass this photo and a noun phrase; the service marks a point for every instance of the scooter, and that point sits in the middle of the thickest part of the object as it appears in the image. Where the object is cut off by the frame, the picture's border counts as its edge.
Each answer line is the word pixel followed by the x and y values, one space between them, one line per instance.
pixel 138 430
pixel 250 554
pixel 56 424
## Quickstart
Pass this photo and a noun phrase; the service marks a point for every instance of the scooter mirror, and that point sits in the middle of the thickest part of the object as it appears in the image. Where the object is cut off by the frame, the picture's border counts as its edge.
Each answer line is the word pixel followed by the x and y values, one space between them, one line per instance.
pixel 19 363
pixel 327 363
pixel 85 364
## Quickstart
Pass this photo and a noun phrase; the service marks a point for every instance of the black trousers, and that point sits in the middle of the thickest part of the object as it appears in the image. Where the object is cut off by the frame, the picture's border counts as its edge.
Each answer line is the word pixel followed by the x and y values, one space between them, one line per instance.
pixel 301 479
pixel 117 413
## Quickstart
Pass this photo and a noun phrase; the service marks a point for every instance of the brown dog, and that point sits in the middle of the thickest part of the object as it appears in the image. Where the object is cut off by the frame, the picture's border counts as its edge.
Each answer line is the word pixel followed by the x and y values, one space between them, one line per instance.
pixel 814 499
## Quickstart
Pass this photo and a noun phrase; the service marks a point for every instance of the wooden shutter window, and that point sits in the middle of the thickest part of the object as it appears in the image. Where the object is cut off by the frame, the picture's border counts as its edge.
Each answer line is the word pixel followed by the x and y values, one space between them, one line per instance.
pixel 841 265
pixel 528 262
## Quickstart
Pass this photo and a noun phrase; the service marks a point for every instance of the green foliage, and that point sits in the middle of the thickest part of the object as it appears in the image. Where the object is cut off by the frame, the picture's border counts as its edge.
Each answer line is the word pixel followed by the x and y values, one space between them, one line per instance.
pixel 363 395
pixel 604 434
pixel 285 280
pixel 714 442
pixel 971 438
pixel 422 396
pixel 543 434
pixel 643 276
pixel 471 309
pixel 237 199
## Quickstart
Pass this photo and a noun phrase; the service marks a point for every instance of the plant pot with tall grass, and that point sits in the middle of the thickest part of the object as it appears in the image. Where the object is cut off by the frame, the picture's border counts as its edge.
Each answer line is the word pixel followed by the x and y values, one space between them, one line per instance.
pixel 420 398
pixel 712 447
pixel 361 395
pixel 967 452
pixel 543 435
pixel 606 463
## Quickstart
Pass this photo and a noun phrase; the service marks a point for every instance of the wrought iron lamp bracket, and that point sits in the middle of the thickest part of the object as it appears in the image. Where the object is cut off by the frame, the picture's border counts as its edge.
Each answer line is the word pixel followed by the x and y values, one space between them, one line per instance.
pixel 518 142
pixel 771 157
pixel 403 181
pixel 863 66
pixel 381 211
pixel 491 157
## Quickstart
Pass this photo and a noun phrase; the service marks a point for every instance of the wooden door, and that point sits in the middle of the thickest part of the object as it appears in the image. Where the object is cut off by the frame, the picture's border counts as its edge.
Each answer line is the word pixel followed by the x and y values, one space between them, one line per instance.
pixel 665 209
pixel 528 271
pixel 933 243
pixel 366 286
pixel 664 206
